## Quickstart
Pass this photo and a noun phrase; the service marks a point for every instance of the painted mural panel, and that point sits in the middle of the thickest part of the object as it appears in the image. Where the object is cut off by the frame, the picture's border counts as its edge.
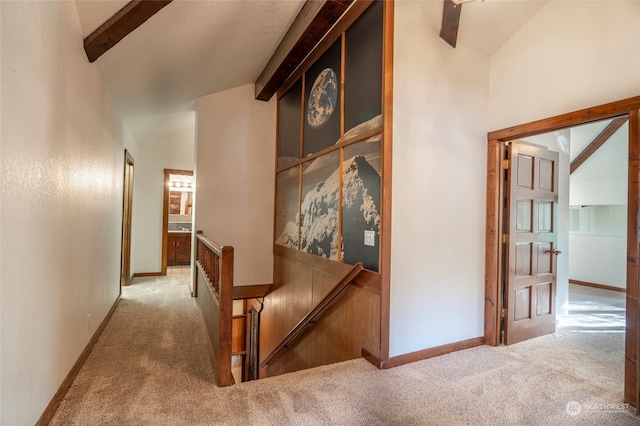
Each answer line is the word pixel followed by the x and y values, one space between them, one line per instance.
pixel 289 115
pixel 361 203
pixel 330 205
pixel 363 73
pixel 320 206
pixel 287 207
pixel 322 102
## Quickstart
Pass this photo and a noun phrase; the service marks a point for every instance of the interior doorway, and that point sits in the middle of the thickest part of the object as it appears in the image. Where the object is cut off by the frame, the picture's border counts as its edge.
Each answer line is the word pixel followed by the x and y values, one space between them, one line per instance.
pixel 127 204
pixel 591 211
pixel 628 109
pixel 177 221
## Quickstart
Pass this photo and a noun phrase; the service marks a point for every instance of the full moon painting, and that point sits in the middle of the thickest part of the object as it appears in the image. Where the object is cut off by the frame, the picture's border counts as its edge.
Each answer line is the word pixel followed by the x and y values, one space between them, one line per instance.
pixel 323 98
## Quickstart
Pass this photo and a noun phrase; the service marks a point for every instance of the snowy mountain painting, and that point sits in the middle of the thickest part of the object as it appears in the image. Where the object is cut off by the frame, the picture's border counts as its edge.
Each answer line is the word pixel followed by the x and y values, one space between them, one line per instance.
pixel 361 202
pixel 319 215
pixel 287 189
pixel 320 206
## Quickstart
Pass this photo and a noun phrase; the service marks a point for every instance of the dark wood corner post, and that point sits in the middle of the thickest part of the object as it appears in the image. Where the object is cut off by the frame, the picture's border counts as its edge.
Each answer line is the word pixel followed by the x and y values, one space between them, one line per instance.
pixel 632 346
pixel 492 244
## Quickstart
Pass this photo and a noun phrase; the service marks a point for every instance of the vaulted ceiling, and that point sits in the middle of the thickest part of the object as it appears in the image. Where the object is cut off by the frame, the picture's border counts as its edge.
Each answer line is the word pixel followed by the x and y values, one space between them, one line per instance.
pixel 189 49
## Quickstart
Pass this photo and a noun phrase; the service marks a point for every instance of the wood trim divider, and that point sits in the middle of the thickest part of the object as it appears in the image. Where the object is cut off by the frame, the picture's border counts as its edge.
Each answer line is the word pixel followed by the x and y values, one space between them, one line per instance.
pixel 313 21
pixel 632 336
pixel 51 409
pixel 354 11
pixel 251 291
pixel 147 274
pixel 399 360
pixel 600 286
pixel 492 245
pixel 387 163
pixel 583 116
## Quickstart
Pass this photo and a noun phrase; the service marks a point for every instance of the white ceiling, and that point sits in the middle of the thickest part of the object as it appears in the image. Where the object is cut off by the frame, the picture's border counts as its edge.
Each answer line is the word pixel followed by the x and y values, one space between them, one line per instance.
pixel 188 49
pixel 193 48
pixel 486 25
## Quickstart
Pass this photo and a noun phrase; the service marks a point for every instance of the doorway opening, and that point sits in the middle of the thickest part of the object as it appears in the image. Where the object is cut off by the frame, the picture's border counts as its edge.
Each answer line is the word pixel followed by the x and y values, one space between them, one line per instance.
pixel 177 222
pixel 127 204
pixel 590 227
pixel 497 251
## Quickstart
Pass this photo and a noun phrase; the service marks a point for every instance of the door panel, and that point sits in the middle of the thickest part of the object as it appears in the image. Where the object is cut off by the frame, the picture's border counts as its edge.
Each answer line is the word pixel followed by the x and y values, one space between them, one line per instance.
pixel 530 279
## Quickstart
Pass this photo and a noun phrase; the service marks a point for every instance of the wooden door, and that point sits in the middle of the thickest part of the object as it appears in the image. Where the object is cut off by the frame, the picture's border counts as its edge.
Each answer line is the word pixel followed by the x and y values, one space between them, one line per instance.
pixel 125 263
pixel 529 294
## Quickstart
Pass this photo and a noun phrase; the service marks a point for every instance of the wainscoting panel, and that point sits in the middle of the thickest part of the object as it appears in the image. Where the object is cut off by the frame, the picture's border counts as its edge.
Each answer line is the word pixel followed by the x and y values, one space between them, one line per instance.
pixel 351 324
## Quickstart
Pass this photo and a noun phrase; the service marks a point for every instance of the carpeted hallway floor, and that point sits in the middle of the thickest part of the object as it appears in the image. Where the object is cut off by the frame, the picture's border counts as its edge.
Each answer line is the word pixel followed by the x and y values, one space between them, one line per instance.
pixel 151 367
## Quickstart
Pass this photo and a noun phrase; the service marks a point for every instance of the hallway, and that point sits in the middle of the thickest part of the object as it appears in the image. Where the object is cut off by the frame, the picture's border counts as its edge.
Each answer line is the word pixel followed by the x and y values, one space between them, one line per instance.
pixel 151 367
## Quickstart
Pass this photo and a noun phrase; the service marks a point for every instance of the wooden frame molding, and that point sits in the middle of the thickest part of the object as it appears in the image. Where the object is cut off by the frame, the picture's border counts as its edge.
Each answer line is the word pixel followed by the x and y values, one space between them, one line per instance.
pixel 127 204
pixel 50 411
pixel 147 274
pixel 124 22
pixel 387 150
pixel 399 360
pixel 595 285
pixel 313 21
pixel 628 107
pixel 165 215
pixel 356 9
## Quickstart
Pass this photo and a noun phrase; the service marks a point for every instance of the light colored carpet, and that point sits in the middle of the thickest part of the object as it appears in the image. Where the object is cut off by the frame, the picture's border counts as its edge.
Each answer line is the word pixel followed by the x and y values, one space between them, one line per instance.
pixel 151 367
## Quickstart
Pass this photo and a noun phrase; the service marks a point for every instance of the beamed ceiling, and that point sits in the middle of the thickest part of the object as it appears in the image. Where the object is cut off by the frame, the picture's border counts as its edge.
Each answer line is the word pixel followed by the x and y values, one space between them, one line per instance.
pixel 188 49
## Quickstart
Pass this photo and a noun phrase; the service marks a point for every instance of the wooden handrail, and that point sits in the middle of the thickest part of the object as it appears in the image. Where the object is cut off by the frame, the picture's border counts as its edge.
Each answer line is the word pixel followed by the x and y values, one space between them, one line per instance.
pixel 313 315
pixel 215 262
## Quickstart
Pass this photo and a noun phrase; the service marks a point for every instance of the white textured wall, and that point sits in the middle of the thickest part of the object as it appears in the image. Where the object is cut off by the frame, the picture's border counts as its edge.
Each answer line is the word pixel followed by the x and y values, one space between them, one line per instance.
pixel 570 55
pixel 62 168
pixel 599 255
pixel 439 174
pixel 235 152
pixel 599 259
pixel 602 179
pixel 173 149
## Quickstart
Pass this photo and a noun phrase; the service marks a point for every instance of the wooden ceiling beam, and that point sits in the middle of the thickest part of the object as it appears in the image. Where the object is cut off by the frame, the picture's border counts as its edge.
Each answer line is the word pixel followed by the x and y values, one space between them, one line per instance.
pixel 125 21
pixel 312 23
pixel 450 22
pixel 597 142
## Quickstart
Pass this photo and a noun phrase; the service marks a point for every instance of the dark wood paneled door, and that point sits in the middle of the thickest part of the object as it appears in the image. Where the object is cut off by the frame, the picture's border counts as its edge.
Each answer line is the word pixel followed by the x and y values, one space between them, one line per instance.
pixel 531 240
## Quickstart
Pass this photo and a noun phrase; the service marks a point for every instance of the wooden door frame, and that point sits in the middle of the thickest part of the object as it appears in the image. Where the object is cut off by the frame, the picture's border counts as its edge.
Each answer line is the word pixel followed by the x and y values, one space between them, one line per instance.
pixel 493 253
pixel 127 201
pixel 165 213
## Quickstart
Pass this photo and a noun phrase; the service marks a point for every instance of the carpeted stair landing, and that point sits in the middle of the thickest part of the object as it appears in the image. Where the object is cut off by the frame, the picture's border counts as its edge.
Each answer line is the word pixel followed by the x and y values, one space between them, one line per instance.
pixel 151 367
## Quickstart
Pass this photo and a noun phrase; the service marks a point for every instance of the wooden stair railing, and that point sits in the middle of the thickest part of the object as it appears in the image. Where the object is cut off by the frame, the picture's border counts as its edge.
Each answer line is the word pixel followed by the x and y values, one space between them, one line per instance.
pixel 311 318
pixel 215 262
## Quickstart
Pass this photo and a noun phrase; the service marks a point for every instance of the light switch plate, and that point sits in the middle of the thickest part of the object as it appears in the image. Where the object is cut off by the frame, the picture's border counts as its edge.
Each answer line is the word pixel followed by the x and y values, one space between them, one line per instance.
pixel 369 238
